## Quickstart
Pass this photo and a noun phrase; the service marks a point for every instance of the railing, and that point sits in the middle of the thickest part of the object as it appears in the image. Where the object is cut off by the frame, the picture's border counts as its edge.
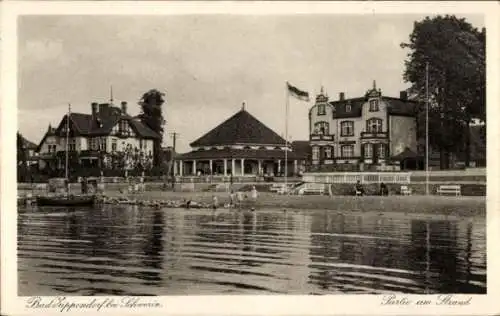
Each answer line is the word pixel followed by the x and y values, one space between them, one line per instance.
pixel 373 134
pixel 216 179
pixel 354 177
pixel 322 137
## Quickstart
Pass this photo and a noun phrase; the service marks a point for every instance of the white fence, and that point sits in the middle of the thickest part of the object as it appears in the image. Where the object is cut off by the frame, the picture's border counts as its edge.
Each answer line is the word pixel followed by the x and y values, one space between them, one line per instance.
pixel 353 177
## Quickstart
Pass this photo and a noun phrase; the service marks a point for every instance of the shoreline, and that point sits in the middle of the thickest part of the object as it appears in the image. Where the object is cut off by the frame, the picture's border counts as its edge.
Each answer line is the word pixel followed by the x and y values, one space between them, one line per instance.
pixel 439 205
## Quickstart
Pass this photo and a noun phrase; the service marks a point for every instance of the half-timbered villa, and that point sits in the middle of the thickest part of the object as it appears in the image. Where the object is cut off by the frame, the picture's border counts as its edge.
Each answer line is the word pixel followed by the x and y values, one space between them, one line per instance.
pixel 108 130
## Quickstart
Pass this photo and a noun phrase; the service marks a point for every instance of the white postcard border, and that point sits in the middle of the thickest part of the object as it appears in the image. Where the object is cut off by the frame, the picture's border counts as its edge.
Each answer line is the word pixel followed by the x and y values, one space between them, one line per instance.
pixel 244 305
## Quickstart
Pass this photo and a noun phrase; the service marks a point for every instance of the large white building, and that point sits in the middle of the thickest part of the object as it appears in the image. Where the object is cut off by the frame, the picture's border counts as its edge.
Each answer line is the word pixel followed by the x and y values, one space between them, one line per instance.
pixel 362 133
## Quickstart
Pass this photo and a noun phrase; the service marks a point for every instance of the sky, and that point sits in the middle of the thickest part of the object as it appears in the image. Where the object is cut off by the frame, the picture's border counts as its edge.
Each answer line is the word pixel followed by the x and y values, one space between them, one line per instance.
pixel 207 65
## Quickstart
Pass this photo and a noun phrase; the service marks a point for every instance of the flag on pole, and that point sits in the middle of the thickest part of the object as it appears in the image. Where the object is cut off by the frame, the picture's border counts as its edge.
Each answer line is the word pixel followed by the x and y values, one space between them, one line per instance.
pixel 299 94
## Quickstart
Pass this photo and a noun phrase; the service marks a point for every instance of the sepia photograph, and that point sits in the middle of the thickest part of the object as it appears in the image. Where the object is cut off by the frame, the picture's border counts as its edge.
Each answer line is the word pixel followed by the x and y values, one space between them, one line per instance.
pixel 249 154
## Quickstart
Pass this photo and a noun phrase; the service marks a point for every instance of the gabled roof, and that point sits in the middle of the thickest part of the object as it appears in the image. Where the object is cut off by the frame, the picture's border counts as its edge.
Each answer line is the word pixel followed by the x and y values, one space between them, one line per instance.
pixel 102 123
pixel 241 128
pixel 395 107
pixel 50 132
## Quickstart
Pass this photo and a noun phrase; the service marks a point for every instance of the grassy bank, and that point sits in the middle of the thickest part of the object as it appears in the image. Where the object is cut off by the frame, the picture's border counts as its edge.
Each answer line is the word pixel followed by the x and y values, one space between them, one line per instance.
pixel 439 205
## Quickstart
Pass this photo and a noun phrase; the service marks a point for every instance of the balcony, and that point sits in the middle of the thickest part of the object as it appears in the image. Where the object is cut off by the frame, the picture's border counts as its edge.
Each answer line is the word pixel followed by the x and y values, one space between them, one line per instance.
pixel 317 137
pixel 365 135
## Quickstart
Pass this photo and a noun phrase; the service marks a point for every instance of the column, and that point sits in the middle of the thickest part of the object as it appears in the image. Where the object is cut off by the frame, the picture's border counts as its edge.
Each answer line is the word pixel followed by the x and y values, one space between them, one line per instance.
pixel 180 167
pixel 174 167
pixel 279 166
pixel 295 169
pixel 259 167
pixel 194 167
pixel 225 167
pixel 242 166
pixel 232 167
pixel 211 168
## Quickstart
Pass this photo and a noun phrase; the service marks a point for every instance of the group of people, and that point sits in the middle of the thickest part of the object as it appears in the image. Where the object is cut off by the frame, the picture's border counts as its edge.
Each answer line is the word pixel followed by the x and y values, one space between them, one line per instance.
pixel 236 198
pixel 383 190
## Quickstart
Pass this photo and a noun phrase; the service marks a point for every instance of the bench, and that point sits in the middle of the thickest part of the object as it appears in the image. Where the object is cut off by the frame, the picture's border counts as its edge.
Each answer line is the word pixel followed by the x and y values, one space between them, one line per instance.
pixel 313 189
pixel 277 188
pixel 405 190
pixel 449 189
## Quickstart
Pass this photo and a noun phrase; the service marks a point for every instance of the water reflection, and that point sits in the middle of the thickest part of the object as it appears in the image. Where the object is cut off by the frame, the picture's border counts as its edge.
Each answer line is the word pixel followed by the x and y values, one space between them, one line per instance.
pixel 129 250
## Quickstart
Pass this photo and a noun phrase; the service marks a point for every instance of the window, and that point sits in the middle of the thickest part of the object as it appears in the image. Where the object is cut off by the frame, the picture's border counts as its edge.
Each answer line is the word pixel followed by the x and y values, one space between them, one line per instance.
pixel 113 144
pixel 374 125
pixel 72 144
pixel 321 128
pixel 347 128
pixel 328 152
pixel 373 105
pixel 315 153
pixel 52 148
pixel 321 109
pixel 347 151
pixel 368 151
pixel 381 151
pixel 102 144
pixel 93 144
pixel 125 128
pixel 348 107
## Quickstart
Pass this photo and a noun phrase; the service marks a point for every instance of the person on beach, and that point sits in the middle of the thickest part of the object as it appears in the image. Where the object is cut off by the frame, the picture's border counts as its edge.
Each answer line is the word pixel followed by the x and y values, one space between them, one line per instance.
pixel 231 198
pixel 253 194
pixel 359 188
pixel 215 202
pixel 383 189
pixel 239 196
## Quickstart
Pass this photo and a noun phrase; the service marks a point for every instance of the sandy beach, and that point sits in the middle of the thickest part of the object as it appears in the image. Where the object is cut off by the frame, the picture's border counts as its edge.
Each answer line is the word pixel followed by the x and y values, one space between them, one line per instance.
pixel 439 205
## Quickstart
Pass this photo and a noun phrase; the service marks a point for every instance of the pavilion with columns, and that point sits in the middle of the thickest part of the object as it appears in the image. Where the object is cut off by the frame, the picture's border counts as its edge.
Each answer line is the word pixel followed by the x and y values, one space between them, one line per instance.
pixel 240 146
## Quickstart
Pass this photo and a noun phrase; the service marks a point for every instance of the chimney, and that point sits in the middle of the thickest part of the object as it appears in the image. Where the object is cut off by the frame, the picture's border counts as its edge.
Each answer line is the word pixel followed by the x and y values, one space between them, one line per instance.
pixel 403 95
pixel 341 96
pixel 94 108
pixel 124 107
pixel 104 109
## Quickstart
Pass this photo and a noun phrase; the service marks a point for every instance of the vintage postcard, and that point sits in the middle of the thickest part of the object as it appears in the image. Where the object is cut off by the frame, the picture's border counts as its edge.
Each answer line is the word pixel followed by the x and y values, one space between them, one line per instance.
pixel 249 158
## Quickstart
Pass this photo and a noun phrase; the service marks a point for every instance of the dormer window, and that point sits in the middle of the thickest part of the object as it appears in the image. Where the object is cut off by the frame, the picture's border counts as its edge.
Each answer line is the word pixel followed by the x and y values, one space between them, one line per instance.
pixel 373 105
pixel 124 128
pixel 321 109
pixel 348 107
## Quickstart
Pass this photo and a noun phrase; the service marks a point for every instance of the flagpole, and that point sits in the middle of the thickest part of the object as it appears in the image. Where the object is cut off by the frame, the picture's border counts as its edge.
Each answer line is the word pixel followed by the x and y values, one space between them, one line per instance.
pixel 427 128
pixel 67 140
pixel 286 134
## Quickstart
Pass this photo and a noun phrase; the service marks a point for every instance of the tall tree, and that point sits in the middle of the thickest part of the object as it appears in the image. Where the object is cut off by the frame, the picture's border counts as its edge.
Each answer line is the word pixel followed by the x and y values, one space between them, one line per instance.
pixel 454 51
pixel 152 115
pixel 22 165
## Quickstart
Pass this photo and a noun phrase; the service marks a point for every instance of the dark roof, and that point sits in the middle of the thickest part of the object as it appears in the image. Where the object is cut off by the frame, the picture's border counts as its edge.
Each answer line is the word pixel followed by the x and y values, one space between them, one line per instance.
pixel 405 154
pixel 238 153
pixel 301 148
pixel 102 123
pixel 395 106
pixel 241 128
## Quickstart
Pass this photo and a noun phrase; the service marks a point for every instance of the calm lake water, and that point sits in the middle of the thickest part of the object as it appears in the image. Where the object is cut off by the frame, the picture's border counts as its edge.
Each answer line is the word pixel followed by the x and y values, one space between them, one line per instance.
pixel 129 250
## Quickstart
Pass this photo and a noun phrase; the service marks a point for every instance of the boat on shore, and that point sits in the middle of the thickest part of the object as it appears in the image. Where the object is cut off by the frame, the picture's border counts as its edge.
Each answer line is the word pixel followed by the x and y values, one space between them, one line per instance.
pixel 66 200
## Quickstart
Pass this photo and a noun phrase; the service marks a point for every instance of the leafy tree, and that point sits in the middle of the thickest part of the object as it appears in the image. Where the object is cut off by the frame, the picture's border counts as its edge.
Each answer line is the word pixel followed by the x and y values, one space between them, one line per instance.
pixel 455 53
pixel 152 115
pixel 22 165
